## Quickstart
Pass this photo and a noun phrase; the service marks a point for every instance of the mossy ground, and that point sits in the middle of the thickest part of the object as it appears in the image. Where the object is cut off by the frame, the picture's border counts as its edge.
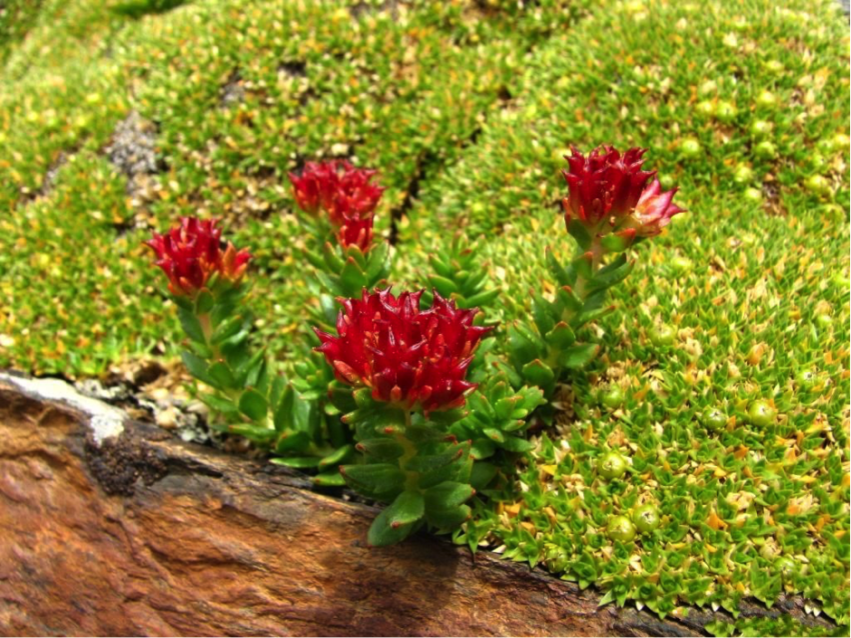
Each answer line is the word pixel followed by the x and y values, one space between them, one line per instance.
pixel 466 109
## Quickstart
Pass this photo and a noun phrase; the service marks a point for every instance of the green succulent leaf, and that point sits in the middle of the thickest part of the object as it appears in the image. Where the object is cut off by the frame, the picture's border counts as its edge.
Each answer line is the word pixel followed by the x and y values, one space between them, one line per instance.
pixel 296 443
pixel 253 405
pixel 479 300
pixel 284 418
pixel 333 262
pixel 340 455
pixel 191 325
pixel 204 302
pixel 297 462
pixel 562 276
pixel 352 278
pixel 228 328
pixel 221 373
pixel 329 479
pixel 613 273
pixel 448 495
pixel 444 286
pixel 579 356
pixel 379 480
pixel 378 265
pixel 381 449
pixel 569 299
pixel 516 444
pixel 433 462
pixel 539 373
pixel 561 336
pixel 408 508
pixel 578 231
pixel 219 404
pixel 383 533
pixel 197 368
pixel 449 518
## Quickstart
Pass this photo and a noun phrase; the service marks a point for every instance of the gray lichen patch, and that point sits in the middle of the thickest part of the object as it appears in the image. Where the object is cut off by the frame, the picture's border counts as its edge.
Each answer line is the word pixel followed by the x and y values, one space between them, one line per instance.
pixel 105 421
pixel 132 150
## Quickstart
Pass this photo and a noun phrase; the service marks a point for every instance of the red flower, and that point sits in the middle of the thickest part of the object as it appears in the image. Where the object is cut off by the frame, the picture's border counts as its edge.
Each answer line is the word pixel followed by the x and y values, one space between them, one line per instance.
pixel 405 355
pixel 338 188
pixel 356 231
pixel 191 253
pixel 609 193
pixel 654 210
pixel 605 186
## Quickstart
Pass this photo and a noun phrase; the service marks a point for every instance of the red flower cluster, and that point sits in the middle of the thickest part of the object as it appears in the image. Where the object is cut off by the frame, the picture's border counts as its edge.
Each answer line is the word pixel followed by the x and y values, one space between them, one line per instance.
pixel 608 191
pixel 192 252
pixel 345 193
pixel 405 355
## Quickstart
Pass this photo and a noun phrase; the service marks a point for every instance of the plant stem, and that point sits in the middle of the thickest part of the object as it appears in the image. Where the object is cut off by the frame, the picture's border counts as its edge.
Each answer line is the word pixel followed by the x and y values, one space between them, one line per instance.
pixel 596 261
pixel 409 452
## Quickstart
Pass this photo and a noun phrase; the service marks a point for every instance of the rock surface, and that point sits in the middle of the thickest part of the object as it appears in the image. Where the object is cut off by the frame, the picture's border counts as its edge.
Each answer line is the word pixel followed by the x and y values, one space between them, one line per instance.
pixel 141 533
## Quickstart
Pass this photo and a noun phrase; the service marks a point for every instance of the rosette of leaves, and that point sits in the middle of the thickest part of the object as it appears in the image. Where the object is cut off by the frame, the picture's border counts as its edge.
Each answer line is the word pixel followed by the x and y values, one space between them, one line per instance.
pixel 461 274
pixel 541 351
pixel 497 418
pixel 343 271
pixel 322 441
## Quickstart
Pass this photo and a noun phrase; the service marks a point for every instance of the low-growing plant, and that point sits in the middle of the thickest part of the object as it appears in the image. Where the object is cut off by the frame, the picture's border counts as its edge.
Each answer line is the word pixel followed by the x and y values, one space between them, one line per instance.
pixel 609 209
pixel 401 396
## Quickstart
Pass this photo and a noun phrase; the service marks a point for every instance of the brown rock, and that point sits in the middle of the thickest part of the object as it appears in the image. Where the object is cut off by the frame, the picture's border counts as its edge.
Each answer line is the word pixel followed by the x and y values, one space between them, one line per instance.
pixel 143 534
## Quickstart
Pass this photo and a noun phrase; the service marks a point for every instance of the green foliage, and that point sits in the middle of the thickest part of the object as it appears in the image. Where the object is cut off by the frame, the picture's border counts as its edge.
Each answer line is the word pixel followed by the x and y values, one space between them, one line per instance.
pixel 412 462
pixel 497 417
pixel 461 274
pixel 467 113
pixel 545 350
pixel 16 18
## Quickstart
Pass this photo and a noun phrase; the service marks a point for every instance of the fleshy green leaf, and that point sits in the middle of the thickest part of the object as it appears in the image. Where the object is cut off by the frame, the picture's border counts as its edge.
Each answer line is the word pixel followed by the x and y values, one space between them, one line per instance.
pixel 297 462
pixel 204 303
pixel 191 325
pixel 329 479
pixel 380 480
pixel 408 508
pixel 382 533
pixel 221 374
pixel 561 336
pixel 197 367
pixel 337 457
pixel 383 449
pixel 579 356
pixel 253 405
pixel 297 442
pixel 539 373
pixel 448 518
pixel 447 495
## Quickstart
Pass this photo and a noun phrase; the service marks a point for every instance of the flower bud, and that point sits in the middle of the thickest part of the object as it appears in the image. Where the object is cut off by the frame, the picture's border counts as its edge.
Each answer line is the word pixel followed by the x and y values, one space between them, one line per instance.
pixel 191 253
